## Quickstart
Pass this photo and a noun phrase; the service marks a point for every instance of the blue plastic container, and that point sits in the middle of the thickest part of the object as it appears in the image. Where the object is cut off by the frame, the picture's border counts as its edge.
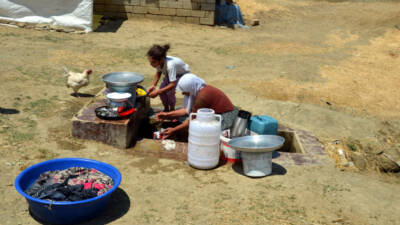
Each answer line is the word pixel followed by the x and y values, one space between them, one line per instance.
pixel 263 125
pixel 65 212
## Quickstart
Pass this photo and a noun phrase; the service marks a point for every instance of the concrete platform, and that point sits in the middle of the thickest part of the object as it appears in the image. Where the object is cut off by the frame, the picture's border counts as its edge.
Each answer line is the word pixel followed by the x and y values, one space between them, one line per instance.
pixel 118 133
pixel 309 150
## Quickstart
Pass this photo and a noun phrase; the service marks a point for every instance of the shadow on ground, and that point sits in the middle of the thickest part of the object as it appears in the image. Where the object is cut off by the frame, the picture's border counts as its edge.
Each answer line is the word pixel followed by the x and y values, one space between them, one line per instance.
pixel 82 95
pixel 117 206
pixel 276 169
pixel 8 111
pixel 109 26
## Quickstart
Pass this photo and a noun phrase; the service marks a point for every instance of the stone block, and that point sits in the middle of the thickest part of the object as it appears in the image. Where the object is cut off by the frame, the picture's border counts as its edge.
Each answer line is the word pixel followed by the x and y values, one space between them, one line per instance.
pixel 153 10
pixel 207 7
pixel 143 2
pixel 158 17
pixel 209 14
pixel 121 2
pixel 163 4
pixel 197 13
pixel 119 133
pixel 196 5
pixel 139 9
pixel 183 12
pixel 137 15
pixel 195 20
pixel 207 20
pixel 181 19
pixel 187 5
pixel 174 4
pixel 135 2
pixel 168 11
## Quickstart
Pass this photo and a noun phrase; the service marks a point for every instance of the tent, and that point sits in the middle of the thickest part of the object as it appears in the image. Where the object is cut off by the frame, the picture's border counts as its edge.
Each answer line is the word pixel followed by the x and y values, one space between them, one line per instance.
pixel 66 13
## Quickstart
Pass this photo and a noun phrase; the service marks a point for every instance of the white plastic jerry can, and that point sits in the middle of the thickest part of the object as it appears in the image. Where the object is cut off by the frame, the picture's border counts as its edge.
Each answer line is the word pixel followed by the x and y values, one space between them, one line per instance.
pixel 204 139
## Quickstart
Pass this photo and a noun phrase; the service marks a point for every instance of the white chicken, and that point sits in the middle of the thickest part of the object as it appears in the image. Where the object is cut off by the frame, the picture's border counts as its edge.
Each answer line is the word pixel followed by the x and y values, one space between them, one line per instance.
pixel 77 80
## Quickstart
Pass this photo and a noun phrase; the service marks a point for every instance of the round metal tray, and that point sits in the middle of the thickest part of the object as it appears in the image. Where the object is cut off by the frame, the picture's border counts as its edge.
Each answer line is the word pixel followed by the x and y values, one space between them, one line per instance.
pixel 257 143
pixel 123 78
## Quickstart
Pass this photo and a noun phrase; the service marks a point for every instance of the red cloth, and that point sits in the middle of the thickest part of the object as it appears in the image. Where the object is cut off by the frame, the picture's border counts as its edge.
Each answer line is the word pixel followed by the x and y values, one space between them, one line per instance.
pixel 212 98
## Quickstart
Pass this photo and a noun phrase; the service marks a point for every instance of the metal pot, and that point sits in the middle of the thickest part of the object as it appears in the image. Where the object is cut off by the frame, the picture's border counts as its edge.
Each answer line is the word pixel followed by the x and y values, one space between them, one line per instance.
pixel 123 82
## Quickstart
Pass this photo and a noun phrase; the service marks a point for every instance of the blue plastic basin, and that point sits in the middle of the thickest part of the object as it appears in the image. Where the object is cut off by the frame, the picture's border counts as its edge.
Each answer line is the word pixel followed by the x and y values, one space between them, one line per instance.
pixel 65 212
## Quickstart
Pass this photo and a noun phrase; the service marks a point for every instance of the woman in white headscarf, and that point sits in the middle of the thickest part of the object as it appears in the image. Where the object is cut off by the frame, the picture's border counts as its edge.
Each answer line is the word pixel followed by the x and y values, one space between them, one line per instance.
pixel 199 95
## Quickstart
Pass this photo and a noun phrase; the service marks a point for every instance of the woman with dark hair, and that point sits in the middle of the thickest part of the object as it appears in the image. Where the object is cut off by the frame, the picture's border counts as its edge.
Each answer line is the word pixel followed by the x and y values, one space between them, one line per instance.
pixel 173 68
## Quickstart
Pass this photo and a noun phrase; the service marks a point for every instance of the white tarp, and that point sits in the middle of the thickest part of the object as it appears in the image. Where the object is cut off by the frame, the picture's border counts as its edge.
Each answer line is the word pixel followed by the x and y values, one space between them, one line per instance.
pixel 66 13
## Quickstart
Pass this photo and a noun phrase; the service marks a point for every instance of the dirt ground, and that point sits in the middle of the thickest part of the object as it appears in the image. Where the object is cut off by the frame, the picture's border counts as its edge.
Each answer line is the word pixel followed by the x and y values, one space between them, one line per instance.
pixel 327 66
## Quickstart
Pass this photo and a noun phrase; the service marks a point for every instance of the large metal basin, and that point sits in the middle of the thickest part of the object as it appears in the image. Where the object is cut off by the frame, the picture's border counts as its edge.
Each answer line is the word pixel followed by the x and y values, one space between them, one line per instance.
pixel 123 82
pixel 123 79
pixel 257 143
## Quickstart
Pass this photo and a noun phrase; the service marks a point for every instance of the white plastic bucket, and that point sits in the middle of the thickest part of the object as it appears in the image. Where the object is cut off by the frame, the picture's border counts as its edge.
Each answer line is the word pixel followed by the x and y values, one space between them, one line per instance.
pixel 257 164
pixel 231 155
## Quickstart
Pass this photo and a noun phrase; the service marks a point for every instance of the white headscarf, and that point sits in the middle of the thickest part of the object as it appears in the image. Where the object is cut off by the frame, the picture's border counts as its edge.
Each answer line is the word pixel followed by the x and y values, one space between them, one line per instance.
pixel 192 84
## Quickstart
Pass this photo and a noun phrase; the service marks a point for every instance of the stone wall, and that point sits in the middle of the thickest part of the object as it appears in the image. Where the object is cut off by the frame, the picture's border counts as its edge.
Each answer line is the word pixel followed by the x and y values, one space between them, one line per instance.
pixel 190 11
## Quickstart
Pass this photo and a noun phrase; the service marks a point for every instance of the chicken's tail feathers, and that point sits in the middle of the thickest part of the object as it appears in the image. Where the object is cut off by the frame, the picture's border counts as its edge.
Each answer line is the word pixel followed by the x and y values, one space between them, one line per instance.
pixel 66 71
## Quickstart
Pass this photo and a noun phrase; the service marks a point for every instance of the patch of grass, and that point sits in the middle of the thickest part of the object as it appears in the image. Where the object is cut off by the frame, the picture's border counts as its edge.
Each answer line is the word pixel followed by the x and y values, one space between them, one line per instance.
pixel 49 38
pixel 10 35
pixel 39 107
pixel 326 188
pixel 31 124
pixel 352 147
pixel 221 51
pixel 16 136
pixel 46 154
pixel 131 54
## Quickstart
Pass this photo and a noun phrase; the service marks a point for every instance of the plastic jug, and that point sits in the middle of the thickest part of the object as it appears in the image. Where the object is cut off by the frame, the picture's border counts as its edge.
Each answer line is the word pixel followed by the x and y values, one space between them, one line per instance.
pixel 204 139
pixel 263 125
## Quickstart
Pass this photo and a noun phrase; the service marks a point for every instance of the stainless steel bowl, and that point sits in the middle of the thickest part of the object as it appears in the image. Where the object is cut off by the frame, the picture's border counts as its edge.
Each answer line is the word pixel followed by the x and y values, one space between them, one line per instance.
pixel 257 143
pixel 123 79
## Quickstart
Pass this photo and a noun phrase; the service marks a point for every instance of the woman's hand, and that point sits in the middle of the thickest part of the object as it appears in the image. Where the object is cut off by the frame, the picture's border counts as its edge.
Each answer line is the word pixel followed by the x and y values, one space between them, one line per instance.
pixel 154 93
pixel 168 132
pixel 161 116
pixel 151 88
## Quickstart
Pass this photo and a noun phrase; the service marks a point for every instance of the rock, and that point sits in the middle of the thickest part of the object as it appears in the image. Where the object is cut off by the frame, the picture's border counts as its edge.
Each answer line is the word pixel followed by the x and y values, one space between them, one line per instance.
pixel 20 24
pixel 79 32
pixel 30 26
pixel 4 21
pixel 69 30
pixel 386 163
pixel 42 26
pixel 255 22
pixel 359 160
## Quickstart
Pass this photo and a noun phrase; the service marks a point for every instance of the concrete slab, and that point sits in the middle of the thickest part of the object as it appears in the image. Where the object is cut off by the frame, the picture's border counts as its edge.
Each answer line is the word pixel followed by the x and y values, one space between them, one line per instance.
pixel 313 150
pixel 118 133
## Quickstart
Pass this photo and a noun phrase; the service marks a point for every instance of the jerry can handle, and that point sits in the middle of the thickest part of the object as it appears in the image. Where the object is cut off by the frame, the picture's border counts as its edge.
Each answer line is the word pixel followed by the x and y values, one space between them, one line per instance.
pixel 257 117
pixel 220 118
pixel 191 116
